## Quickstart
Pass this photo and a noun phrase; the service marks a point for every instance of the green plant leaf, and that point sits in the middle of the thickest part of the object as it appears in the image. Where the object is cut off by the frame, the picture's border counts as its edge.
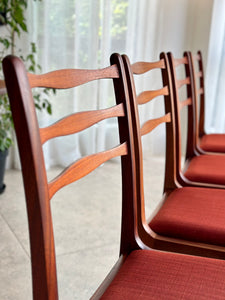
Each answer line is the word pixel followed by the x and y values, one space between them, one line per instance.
pixel 5 42
pixel 49 109
pixel 16 23
pixel 23 26
pixel 33 47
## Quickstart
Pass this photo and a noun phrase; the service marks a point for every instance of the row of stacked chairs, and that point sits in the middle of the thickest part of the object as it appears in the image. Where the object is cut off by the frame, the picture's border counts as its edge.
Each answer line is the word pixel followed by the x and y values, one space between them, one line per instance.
pixel 179 252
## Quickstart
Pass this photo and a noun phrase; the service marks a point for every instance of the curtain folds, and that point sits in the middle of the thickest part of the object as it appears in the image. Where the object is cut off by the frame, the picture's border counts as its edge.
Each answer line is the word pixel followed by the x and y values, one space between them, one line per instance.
pixel 83 34
pixel 215 71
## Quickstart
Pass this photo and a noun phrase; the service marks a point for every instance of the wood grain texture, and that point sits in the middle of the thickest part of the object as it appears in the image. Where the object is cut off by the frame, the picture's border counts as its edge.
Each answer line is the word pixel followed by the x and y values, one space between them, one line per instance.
pixel 143 67
pixel 153 123
pixel 150 238
pixel 146 96
pixel 178 104
pixel 83 167
pixel 195 123
pixel 44 277
pixel 199 100
pixel 68 78
pixel 79 121
pixel 37 189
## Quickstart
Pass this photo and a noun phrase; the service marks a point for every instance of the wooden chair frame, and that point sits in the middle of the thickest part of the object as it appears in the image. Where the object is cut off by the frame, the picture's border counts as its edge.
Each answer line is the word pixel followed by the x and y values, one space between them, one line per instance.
pixel 38 190
pixel 148 236
pixel 197 74
pixel 135 232
pixel 192 148
pixel 200 111
pixel 178 105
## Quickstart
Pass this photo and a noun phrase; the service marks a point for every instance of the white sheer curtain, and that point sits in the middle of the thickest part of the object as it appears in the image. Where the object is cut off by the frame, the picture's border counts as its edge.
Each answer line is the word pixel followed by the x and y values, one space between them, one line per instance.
pixel 215 72
pixel 83 34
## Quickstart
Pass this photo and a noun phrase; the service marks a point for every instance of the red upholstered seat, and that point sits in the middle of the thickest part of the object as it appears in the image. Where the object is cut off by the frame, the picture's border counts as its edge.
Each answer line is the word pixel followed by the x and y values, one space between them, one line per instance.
pixel 194 214
pixel 207 168
pixel 158 275
pixel 213 143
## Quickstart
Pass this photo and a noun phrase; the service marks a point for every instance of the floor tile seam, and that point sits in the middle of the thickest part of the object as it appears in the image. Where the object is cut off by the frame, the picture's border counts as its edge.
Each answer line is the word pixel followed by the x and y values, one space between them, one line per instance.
pixel 83 249
pixel 14 234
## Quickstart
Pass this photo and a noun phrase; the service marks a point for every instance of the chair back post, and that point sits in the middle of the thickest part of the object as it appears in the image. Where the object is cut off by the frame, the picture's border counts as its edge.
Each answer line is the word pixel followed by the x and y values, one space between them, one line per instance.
pixel 192 116
pixel 38 190
pixel 143 231
pixel 130 172
pixel 175 100
pixel 178 105
pixel 202 96
pixel 140 220
pixel 34 174
pixel 170 178
pixel 198 76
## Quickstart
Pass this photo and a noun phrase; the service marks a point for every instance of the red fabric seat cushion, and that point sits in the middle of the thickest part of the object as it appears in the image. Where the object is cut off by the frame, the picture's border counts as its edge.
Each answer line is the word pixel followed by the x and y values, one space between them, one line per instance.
pixel 158 275
pixel 213 143
pixel 207 169
pixel 194 214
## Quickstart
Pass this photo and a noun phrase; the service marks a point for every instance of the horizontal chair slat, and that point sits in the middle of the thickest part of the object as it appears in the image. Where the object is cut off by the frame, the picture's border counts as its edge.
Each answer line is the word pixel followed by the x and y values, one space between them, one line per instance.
pixel 200 91
pixel 153 123
pixel 180 61
pixel 143 67
pixel 82 120
pixel 68 78
pixel 197 57
pixel 84 166
pixel 186 102
pixel 146 96
pixel 182 82
pixel 199 74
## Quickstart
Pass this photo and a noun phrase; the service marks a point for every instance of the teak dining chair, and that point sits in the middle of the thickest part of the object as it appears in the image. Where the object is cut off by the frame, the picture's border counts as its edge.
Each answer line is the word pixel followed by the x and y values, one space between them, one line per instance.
pixel 205 143
pixel 139 273
pixel 199 170
pixel 30 139
pixel 188 219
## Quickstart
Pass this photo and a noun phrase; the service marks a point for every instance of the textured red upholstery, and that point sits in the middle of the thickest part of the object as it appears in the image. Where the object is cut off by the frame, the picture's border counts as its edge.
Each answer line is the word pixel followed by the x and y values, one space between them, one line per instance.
pixel 158 275
pixel 213 143
pixel 207 168
pixel 194 214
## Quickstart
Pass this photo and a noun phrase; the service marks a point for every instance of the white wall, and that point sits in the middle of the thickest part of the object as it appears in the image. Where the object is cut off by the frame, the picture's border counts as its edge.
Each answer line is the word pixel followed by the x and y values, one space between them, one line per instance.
pixel 181 25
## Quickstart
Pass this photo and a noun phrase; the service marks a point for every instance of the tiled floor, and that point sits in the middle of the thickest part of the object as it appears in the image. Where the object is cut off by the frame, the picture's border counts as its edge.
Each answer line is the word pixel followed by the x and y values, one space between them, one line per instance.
pixel 86 219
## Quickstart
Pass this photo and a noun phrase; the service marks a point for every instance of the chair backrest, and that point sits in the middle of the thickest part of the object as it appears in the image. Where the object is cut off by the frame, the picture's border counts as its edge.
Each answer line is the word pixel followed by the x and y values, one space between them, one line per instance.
pixel 187 99
pixel 198 81
pixel 30 139
pixel 144 97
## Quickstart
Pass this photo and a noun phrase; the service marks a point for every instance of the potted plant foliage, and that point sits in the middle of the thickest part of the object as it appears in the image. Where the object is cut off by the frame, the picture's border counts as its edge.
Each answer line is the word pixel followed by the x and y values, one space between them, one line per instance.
pixel 13 24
